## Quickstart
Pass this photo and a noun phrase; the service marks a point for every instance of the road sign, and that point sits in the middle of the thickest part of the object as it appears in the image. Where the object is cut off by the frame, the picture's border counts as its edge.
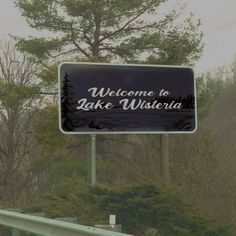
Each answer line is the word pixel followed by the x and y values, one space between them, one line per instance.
pixel 106 98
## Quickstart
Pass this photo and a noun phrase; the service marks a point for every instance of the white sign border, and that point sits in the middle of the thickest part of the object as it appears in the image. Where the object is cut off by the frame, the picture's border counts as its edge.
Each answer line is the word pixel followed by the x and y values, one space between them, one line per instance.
pixel 124 132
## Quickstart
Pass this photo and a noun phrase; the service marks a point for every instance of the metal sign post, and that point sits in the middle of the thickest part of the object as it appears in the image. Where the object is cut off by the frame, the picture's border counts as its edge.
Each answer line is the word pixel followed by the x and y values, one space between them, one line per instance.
pixel 164 158
pixel 92 159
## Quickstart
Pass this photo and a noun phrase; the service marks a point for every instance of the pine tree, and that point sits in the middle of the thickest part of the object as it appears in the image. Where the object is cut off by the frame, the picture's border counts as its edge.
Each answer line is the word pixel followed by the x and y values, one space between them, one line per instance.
pixel 104 30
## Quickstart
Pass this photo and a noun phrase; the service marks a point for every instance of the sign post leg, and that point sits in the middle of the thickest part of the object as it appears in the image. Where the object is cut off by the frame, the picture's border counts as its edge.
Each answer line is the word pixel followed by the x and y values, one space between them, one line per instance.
pixel 92 159
pixel 164 158
pixel 88 159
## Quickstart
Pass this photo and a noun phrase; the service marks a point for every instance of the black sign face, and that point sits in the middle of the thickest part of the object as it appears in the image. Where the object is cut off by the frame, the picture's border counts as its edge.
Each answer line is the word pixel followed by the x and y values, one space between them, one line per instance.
pixel 105 98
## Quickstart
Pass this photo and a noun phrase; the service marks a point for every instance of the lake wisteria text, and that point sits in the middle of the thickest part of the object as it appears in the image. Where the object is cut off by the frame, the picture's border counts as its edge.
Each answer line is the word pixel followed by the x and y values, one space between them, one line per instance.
pixel 130 100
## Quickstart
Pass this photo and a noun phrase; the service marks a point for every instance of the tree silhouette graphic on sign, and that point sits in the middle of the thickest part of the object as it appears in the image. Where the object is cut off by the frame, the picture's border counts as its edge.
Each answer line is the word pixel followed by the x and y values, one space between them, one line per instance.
pixel 68 105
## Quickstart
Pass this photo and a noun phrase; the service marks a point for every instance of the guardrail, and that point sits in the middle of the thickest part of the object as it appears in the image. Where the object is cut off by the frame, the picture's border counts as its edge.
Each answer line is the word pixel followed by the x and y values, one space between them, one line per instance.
pixel 50 227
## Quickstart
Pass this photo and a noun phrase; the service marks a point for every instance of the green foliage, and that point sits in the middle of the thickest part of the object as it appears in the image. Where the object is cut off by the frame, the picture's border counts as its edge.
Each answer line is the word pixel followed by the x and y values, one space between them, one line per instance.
pixel 49 75
pixel 46 129
pixel 152 232
pixel 142 206
pixel 40 47
pixel 13 94
pixel 175 47
pixel 146 207
pixel 210 86
pixel 204 100
pixel 53 160
pixel 65 200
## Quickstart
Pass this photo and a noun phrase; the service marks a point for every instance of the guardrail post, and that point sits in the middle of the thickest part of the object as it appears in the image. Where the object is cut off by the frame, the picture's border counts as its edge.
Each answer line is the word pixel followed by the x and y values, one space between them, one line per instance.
pixel 112 225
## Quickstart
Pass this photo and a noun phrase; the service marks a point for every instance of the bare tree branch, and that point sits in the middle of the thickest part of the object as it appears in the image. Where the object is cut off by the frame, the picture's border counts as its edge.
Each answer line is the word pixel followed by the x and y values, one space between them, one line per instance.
pixel 18 105
pixel 141 12
pixel 76 44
